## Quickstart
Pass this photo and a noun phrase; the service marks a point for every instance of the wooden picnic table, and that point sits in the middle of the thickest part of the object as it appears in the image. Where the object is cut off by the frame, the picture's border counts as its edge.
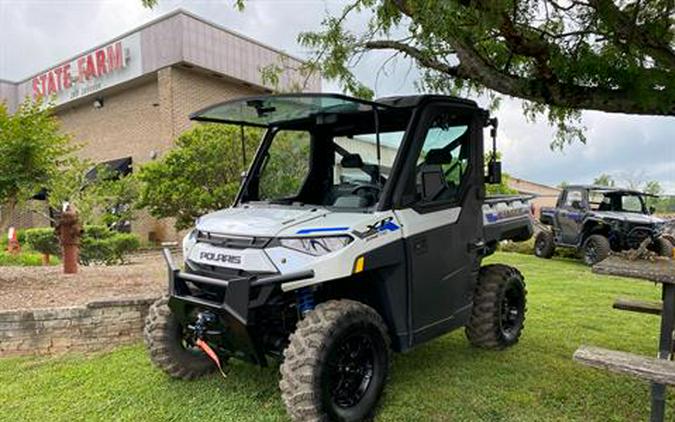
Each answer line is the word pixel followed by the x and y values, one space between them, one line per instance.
pixel 661 371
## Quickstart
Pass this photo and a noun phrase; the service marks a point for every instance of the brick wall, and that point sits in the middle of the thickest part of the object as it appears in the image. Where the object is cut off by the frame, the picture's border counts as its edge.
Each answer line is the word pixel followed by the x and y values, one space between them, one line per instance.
pixel 97 326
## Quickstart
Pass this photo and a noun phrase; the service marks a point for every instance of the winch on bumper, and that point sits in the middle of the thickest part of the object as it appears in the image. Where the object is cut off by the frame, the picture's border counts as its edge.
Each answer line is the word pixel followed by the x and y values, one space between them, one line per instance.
pixel 233 333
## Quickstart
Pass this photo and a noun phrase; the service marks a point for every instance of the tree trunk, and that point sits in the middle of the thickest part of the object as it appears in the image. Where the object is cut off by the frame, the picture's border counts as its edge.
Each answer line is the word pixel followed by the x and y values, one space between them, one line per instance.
pixel 6 215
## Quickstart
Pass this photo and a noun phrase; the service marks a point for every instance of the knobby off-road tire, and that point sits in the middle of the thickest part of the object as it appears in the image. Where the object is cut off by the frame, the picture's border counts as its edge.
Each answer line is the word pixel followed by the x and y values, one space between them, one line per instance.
pixel 662 247
pixel 499 305
pixel 336 364
pixel 595 249
pixel 544 245
pixel 163 337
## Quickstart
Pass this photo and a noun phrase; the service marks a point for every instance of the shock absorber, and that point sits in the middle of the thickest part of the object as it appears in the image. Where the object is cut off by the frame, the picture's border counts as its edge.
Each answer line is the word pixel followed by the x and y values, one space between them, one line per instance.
pixel 305 298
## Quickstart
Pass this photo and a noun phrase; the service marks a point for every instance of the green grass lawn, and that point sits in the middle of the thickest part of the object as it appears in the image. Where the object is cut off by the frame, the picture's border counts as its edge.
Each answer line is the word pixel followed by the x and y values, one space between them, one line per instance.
pixel 445 379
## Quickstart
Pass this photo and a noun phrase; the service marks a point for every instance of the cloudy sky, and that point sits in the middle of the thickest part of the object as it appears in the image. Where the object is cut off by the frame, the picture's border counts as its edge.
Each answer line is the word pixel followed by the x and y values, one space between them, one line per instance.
pixel 35 34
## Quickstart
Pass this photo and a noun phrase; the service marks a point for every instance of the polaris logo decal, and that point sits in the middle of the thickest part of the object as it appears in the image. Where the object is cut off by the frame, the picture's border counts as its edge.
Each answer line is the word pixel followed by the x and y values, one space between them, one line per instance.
pixel 380 227
pixel 220 257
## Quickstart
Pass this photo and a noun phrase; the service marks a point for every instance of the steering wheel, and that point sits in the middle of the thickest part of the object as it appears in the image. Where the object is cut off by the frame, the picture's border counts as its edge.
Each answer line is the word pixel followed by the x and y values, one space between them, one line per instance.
pixel 369 186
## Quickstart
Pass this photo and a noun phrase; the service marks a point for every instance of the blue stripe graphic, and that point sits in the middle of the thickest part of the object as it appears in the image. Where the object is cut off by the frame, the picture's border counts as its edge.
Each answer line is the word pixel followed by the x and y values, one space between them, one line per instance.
pixel 322 230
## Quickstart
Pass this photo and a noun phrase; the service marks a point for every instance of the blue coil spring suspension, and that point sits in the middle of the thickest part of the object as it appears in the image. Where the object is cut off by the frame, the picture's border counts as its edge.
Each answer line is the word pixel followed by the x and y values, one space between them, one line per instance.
pixel 305 300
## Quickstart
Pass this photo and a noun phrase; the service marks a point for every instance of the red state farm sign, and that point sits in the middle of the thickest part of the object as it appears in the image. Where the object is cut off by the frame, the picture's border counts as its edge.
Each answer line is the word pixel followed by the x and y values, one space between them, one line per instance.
pixel 91 72
pixel 100 62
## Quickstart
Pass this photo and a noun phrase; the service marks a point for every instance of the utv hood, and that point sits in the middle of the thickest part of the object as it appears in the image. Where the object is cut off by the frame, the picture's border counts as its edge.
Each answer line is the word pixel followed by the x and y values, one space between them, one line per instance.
pixel 256 221
pixel 629 217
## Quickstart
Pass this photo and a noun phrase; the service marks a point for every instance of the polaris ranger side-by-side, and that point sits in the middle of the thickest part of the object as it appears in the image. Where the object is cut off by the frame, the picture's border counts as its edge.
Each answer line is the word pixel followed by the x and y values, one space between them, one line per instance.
pixel 359 228
pixel 596 220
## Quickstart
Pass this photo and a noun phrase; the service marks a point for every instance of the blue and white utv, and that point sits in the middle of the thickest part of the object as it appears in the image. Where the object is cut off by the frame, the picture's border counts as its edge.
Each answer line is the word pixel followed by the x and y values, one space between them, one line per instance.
pixel 359 228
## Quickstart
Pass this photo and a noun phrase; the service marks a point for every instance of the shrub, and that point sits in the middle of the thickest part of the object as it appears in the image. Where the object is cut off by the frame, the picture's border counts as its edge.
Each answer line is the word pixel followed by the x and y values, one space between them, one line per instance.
pixel 99 245
pixel 20 236
pixel 24 259
pixel 103 246
pixel 43 240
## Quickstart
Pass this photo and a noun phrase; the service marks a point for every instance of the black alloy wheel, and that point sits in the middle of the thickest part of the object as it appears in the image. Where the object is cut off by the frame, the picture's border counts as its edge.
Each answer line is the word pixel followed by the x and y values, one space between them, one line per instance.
pixel 512 311
pixel 351 367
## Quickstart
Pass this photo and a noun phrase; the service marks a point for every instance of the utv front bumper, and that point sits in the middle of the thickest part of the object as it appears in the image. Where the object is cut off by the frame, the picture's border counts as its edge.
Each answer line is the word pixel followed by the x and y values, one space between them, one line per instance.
pixel 231 300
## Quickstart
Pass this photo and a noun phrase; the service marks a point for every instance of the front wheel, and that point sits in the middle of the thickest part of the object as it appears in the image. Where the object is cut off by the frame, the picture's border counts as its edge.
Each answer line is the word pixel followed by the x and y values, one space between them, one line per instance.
pixel 169 345
pixel 336 363
pixel 499 304
pixel 595 249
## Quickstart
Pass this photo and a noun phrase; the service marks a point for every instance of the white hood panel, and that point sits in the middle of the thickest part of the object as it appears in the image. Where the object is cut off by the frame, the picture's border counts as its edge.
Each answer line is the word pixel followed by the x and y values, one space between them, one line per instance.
pixel 255 221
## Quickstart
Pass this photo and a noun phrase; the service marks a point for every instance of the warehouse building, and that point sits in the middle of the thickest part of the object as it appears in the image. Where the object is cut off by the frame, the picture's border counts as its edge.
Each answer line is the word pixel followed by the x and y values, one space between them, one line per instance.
pixel 128 99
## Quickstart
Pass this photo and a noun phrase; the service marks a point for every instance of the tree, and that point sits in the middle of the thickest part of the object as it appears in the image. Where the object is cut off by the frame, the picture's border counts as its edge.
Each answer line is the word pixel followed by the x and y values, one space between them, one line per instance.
pixel 558 56
pixel 32 153
pixel 201 174
pixel 653 187
pixel 604 180
pixel 99 195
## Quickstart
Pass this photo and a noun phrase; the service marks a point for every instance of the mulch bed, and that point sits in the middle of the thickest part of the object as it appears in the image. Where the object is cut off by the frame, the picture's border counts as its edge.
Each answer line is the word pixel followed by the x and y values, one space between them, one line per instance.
pixel 47 287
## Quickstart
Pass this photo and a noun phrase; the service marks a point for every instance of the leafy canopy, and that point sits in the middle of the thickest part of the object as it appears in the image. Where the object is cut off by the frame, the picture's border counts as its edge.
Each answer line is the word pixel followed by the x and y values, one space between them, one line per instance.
pixel 560 57
pixel 32 153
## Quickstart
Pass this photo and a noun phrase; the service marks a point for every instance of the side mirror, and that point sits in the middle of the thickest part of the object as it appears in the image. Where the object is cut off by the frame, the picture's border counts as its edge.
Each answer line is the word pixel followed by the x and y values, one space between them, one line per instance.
pixel 652 210
pixel 494 176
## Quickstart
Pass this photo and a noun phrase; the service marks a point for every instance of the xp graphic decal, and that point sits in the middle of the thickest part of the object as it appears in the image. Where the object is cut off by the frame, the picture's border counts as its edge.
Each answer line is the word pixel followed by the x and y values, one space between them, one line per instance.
pixel 381 227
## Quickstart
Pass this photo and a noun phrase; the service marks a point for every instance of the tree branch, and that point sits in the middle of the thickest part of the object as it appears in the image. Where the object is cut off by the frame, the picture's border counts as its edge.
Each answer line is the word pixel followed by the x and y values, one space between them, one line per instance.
pixel 422 58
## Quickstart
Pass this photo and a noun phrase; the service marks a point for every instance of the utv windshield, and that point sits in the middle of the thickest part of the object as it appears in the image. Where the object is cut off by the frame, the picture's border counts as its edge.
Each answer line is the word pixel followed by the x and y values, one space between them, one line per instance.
pixel 320 150
pixel 286 109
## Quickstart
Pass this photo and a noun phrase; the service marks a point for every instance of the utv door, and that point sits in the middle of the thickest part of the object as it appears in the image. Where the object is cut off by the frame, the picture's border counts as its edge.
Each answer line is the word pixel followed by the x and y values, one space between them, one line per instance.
pixel 442 186
pixel 570 216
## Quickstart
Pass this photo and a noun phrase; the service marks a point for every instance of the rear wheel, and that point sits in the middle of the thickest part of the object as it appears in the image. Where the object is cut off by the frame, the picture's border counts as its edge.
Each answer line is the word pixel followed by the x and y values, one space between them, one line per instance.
pixel 336 363
pixel 498 314
pixel 662 247
pixel 544 245
pixel 595 249
pixel 169 346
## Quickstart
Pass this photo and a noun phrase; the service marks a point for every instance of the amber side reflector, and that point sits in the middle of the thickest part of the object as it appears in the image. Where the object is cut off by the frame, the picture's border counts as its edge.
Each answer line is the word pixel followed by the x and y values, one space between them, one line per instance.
pixel 358 266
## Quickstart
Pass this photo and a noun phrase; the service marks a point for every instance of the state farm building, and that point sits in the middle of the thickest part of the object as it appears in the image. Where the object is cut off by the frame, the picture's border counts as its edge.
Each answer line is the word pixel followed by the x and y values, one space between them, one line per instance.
pixel 129 98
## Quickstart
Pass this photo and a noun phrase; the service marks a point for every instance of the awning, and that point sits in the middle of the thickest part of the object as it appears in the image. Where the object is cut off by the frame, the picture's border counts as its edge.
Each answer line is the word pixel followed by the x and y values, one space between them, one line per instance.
pixel 119 168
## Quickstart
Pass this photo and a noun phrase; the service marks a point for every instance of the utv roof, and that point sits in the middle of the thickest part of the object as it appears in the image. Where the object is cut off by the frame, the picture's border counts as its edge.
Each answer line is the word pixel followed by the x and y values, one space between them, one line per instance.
pixel 274 110
pixel 608 189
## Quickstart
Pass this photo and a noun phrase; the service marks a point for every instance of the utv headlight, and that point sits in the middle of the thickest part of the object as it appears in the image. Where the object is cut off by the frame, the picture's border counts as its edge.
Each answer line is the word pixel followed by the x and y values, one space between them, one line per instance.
pixel 316 246
pixel 188 242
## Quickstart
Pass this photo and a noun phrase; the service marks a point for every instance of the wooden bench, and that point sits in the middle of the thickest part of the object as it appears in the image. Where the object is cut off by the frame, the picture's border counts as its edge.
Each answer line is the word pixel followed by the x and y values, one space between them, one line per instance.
pixel 642 306
pixel 660 371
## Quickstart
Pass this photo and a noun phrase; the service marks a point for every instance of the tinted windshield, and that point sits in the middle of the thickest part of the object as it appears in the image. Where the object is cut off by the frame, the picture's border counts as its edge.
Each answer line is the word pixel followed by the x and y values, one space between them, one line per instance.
pixel 333 165
pixel 282 109
pixel 616 201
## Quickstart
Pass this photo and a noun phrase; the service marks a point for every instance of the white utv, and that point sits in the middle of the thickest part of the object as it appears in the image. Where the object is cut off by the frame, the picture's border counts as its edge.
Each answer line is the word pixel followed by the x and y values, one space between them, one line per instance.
pixel 359 228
